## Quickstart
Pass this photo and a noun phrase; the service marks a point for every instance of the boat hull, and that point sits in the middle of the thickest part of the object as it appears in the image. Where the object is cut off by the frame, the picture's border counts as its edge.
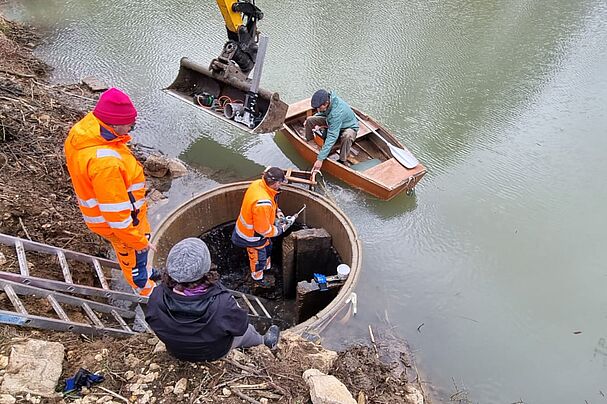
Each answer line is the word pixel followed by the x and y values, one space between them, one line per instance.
pixel 384 181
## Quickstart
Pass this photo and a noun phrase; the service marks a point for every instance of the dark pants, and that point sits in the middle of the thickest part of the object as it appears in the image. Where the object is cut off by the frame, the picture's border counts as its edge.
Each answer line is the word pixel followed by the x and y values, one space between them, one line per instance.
pixel 346 136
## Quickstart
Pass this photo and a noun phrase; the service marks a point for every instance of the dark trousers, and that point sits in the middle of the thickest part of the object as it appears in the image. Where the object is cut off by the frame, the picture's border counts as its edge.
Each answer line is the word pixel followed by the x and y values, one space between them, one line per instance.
pixel 346 136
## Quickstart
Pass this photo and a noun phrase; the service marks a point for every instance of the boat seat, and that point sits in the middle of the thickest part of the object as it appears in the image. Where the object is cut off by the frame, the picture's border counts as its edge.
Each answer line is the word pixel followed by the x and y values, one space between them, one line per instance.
pixel 362 132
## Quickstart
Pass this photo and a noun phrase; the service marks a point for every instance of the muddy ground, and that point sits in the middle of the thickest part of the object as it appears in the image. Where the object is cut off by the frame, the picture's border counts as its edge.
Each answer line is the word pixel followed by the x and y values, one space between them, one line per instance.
pixel 37 203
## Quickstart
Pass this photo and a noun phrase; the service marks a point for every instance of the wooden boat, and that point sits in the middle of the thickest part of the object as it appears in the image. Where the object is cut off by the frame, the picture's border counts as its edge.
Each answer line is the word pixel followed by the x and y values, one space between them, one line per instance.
pixel 373 168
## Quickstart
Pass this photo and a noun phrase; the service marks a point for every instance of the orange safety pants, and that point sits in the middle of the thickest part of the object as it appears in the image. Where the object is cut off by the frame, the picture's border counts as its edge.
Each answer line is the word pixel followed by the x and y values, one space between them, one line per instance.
pixel 259 259
pixel 127 259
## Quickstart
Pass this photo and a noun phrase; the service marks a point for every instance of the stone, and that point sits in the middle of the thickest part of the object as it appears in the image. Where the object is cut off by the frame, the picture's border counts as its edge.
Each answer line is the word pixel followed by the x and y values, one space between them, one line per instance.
pixel 34 367
pixel 98 357
pixel 132 361
pixel 237 356
pixel 160 347
pixel 7 399
pixel 168 389
pixel 180 386
pixel 316 356
pixel 154 366
pixel 263 400
pixel 326 389
pixel 226 392
pixel 152 341
pixel 94 84
pixel 2 259
pixel 156 166
pixel 129 374
pixel 177 168
pixel 322 360
pixel 413 396
pixel 155 196
pixel 3 361
pixel 150 377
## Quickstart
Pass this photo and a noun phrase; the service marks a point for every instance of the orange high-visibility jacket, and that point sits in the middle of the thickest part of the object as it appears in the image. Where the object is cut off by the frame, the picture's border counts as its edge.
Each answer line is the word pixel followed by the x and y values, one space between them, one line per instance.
pixel 108 181
pixel 256 220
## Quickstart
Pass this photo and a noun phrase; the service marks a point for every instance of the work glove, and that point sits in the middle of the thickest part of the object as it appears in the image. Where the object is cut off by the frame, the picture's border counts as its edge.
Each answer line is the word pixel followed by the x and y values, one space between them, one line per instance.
pixel 140 272
pixel 288 222
pixel 82 378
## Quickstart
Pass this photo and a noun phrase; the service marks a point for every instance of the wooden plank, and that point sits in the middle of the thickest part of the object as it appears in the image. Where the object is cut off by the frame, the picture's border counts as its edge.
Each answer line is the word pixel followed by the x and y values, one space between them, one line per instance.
pixel 389 173
pixel 298 108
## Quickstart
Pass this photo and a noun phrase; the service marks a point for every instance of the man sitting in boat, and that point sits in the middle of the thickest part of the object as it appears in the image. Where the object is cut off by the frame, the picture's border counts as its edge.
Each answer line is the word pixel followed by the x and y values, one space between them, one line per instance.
pixel 257 224
pixel 195 316
pixel 335 114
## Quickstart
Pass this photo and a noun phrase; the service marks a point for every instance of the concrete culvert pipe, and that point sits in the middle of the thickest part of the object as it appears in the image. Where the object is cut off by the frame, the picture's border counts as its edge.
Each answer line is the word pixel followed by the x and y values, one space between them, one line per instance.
pixel 221 206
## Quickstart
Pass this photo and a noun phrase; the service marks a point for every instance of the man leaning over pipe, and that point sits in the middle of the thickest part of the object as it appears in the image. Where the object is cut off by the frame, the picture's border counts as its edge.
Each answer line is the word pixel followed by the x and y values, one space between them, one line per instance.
pixel 256 224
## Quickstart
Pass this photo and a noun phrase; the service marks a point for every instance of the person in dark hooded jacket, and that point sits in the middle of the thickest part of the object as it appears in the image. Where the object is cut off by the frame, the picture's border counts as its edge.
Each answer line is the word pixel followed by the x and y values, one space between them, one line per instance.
pixel 194 315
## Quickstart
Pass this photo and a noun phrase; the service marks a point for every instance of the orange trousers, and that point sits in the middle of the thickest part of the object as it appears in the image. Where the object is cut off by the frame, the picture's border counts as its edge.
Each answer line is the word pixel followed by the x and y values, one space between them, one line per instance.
pixel 127 258
pixel 259 259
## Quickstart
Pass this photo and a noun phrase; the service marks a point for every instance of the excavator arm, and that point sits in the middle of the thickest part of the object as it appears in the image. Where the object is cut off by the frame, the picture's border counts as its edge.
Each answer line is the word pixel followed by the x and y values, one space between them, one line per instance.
pixel 241 18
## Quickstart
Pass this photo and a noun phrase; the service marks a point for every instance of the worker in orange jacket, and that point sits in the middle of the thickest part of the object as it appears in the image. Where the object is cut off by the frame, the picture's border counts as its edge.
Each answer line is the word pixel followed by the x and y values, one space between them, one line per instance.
pixel 110 184
pixel 255 226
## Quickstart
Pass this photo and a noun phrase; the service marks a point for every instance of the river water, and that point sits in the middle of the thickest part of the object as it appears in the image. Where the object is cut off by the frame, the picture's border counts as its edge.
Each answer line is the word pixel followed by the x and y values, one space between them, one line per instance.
pixel 495 270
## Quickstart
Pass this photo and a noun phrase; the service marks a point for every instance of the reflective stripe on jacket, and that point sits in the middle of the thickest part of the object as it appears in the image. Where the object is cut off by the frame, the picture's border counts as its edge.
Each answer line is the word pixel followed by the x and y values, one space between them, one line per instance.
pixel 108 180
pixel 255 223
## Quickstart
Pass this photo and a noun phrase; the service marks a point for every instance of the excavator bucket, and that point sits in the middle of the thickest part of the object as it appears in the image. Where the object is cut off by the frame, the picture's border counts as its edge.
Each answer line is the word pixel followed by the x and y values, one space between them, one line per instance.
pixel 224 94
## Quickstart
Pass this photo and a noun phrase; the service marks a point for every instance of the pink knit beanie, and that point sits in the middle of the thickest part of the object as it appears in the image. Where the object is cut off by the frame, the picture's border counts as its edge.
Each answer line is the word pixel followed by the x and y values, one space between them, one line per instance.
pixel 115 108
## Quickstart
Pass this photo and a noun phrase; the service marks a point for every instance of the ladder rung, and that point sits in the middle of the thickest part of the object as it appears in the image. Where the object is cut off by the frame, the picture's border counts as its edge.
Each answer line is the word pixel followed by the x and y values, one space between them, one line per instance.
pixel 21 257
pixel 17 304
pixel 100 274
pixel 244 297
pixel 121 321
pixel 262 308
pixel 91 314
pixel 57 307
pixel 64 267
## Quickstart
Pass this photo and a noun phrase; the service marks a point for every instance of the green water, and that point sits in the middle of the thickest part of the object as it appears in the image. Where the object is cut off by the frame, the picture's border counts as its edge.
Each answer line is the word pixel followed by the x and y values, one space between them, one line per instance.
pixel 500 252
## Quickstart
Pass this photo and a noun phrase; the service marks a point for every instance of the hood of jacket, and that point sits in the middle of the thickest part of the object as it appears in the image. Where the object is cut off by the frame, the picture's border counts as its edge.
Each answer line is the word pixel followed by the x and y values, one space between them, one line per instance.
pixel 191 309
pixel 88 133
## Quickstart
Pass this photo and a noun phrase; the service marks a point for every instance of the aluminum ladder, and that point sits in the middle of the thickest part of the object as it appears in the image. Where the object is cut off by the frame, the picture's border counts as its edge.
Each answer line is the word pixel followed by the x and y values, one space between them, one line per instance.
pixel 120 307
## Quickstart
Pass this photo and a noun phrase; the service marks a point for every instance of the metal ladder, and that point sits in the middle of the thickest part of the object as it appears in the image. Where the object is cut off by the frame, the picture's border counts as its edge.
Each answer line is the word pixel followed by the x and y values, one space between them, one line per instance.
pixel 63 292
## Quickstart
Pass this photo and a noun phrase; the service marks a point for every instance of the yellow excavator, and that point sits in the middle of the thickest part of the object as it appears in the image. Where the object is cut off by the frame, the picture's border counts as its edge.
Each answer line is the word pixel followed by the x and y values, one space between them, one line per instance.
pixel 224 89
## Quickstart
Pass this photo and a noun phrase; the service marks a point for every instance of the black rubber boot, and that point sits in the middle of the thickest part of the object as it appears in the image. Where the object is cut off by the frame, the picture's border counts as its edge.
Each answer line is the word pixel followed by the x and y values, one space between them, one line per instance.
pixel 271 337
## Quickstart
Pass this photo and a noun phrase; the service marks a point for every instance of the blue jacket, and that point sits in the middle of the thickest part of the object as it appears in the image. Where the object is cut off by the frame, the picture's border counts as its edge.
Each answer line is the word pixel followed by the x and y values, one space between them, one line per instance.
pixel 339 117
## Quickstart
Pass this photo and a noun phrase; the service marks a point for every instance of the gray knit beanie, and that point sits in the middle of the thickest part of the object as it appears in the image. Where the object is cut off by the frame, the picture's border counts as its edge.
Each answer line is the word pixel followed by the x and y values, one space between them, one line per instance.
pixel 188 260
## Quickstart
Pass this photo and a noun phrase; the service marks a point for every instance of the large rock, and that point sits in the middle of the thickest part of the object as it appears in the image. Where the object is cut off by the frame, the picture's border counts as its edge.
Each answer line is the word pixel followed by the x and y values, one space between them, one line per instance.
pixel 312 355
pixel 326 389
pixel 177 168
pixel 34 367
pixel 160 166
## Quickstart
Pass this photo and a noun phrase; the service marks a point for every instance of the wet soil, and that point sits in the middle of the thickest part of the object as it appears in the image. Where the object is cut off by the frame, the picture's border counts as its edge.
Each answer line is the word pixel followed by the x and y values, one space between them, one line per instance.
pixel 37 202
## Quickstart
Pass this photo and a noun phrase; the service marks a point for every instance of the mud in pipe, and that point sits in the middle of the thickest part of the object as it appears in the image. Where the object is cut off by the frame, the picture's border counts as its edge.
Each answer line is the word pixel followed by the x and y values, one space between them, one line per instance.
pixel 222 204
